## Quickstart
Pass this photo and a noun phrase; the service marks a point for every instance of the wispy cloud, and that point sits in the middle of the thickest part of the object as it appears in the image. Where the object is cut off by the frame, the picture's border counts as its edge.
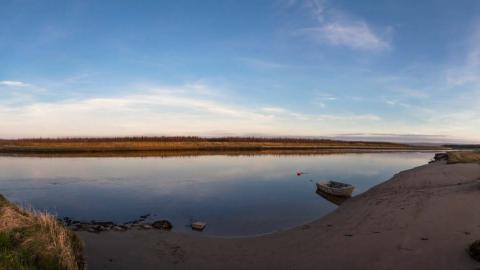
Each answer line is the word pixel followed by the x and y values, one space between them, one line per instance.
pixel 350 117
pixel 261 64
pixel 325 96
pixel 274 110
pixel 13 84
pixel 163 110
pixel 412 93
pixel 356 35
pixel 468 71
pixel 321 99
pixel 342 30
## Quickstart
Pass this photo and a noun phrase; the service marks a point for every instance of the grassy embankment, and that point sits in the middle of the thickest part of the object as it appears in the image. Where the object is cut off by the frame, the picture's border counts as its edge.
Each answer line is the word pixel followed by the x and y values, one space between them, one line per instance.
pixel 165 144
pixel 463 156
pixel 31 240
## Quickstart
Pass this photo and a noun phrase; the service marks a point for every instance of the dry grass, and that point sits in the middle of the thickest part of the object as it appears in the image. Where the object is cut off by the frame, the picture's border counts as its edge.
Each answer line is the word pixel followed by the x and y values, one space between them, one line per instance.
pixel 36 240
pixel 136 144
pixel 463 156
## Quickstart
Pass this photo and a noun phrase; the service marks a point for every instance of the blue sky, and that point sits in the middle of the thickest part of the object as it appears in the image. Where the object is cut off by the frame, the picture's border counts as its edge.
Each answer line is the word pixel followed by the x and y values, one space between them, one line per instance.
pixel 280 67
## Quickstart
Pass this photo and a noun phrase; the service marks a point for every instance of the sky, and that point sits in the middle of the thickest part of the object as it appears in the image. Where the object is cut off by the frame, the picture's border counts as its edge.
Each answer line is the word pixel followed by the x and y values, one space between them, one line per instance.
pixel 352 69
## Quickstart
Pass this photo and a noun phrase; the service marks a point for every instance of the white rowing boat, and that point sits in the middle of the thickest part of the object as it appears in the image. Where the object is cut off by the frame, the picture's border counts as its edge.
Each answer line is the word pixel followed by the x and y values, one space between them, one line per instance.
pixel 336 188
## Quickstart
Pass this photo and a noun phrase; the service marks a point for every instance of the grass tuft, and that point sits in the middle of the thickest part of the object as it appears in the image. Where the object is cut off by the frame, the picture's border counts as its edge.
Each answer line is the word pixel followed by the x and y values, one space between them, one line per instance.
pixel 36 240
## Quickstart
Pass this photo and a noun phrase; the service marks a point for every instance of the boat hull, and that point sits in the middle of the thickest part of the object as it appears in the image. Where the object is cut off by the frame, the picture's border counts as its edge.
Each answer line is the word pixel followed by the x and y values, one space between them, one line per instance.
pixel 341 192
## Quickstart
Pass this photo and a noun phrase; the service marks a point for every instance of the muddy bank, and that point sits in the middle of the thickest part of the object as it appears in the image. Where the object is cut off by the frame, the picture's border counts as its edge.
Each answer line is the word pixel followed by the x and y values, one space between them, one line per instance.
pixel 423 218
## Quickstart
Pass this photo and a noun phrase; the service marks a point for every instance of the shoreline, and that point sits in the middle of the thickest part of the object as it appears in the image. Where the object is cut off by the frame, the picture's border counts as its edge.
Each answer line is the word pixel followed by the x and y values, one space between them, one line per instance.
pixel 194 153
pixel 418 219
pixel 36 240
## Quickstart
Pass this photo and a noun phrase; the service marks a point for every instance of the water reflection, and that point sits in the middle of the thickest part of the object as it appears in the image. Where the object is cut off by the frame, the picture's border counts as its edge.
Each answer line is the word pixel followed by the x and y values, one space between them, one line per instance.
pixel 337 200
pixel 236 195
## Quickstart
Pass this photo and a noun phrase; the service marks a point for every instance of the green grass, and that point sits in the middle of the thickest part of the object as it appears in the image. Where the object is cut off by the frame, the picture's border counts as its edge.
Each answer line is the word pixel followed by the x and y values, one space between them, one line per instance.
pixel 33 240
pixel 15 257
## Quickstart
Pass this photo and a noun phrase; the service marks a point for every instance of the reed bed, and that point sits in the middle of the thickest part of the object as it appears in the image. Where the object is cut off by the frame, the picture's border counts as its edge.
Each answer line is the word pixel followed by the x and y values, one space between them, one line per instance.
pixel 132 144
pixel 33 240
pixel 463 156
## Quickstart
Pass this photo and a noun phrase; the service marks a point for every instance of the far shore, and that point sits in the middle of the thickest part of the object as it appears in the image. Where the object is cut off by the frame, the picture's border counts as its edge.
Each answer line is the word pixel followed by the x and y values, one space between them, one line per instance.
pixel 423 218
pixel 195 153
pixel 191 146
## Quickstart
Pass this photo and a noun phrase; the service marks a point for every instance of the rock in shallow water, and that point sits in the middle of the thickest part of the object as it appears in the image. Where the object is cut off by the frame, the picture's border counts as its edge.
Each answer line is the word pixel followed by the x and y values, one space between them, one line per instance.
pixel 199 226
pixel 162 225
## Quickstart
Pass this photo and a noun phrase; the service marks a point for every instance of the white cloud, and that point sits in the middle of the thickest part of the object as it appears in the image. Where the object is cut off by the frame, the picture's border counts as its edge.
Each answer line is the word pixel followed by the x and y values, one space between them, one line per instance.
pixel 467 72
pixel 317 7
pixel 196 109
pixel 391 102
pixel 356 35
pixel 324 97
pixel 261 64
pixel 13 84
pixel 164 111
pixel 321 99
pixel 356 117
pixel 342 30
pixel 412 93
pixel 398 103
pixel 274 110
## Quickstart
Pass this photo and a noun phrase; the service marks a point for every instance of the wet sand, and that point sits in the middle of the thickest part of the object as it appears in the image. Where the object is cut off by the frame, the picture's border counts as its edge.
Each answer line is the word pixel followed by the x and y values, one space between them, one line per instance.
pixel 423 218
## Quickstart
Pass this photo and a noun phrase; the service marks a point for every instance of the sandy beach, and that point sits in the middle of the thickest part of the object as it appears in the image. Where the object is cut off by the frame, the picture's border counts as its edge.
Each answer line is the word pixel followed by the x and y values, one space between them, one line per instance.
pixel 423 218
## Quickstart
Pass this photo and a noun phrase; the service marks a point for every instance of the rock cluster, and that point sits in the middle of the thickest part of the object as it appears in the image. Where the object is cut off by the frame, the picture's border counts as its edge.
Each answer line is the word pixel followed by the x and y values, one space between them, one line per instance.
pixel 162 225
pixel 440 156
pixel 102 226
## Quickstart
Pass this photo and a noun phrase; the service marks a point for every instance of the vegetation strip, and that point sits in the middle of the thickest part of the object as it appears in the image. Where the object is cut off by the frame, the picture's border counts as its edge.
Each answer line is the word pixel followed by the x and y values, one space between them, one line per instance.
pixel 31 240
pixel 150 144
pixel 463 157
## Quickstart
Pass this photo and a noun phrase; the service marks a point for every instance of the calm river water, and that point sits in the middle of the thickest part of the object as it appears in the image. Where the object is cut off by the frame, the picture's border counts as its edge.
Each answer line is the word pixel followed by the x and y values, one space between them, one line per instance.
pixel 235 195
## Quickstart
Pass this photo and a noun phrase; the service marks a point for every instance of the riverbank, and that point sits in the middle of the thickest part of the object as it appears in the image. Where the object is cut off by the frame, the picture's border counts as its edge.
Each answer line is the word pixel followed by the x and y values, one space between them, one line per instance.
pixel 34 240
pixel 141 146
pixel 423 218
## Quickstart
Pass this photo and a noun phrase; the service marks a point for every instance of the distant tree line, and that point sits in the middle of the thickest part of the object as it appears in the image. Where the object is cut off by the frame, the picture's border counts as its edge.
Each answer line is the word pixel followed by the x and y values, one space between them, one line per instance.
pixel 463 146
